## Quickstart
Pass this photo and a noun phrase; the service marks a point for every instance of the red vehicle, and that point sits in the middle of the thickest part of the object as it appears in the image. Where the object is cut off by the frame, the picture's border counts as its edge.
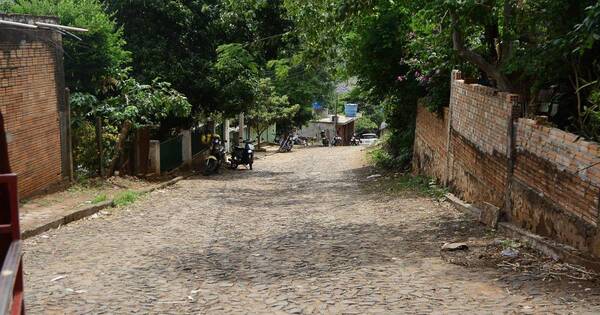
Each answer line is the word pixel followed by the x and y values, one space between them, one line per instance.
pixel 11 275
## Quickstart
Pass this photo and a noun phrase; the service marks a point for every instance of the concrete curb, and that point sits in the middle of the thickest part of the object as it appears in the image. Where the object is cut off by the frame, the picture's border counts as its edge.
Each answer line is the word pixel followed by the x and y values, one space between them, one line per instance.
pixel 543 245
pixel 89 211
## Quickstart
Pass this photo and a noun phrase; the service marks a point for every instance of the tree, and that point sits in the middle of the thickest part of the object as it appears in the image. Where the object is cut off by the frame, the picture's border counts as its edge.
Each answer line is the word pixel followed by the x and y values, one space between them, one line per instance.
pixel 269 108
pixel 135 105
pixel 101 50
pixel 365 124
pixel 236 72
pixel 175 40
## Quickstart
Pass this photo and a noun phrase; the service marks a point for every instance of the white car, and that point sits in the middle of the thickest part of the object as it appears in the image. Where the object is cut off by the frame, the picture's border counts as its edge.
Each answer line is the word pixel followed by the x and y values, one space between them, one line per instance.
pixel 368 139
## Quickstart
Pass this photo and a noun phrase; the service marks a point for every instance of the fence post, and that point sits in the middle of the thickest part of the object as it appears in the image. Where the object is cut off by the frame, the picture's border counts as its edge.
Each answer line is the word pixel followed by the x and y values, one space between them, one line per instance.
pixel 155 156
pixel 186 147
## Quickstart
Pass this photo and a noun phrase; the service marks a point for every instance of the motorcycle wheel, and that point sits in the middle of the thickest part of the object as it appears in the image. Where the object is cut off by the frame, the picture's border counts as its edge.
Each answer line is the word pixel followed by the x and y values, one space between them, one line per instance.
pixel 210 167
pixel 233 165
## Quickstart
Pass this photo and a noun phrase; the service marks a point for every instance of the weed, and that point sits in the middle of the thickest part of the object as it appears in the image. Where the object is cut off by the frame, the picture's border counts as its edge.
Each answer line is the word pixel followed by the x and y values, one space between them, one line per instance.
pixel 126 198
pixel 421 185
pixel 510 244
pixel 100 198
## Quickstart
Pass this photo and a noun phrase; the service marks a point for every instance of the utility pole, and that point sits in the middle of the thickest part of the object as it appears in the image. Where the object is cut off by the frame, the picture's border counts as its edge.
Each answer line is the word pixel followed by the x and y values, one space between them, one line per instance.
pixel 226 137
pixel 241 129
pixel 335 117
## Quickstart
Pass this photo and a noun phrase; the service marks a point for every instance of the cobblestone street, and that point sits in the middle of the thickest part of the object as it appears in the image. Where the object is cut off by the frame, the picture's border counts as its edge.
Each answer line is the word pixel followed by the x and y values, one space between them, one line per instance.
pixel 300 234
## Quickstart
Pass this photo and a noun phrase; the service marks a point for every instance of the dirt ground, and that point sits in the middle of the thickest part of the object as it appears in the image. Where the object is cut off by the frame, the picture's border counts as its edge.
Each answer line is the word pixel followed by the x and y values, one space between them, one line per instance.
pixel 304 233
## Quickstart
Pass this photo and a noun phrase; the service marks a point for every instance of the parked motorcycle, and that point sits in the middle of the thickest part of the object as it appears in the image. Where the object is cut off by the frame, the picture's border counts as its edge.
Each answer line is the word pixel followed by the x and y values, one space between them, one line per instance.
pixel 354 140
pixel 337 141
pixel 216 158
pixel 298 140
pixel 324 139
pixel 242 155
pixel 286 144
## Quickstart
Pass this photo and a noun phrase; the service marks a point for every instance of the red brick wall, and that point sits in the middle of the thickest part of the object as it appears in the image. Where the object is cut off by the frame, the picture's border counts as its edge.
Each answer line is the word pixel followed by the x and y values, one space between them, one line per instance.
pixel 476 176
pixel 481 115
pixel 29 103
pixel 558 167
pixel 554 182
pixel 479 150
pixel 431 138
pixel 566 178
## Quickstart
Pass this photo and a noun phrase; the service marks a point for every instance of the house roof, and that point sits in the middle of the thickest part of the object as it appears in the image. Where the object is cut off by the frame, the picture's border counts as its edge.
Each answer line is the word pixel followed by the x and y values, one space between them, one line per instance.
pixel 342 120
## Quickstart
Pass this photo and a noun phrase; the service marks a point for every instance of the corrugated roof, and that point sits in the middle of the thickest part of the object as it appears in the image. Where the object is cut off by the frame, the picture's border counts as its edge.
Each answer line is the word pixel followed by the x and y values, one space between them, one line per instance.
pixel 342 120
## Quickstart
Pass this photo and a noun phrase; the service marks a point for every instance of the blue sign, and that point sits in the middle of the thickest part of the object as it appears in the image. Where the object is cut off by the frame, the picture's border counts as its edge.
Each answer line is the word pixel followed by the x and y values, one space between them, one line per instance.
pixel 351 110
pixel 317 106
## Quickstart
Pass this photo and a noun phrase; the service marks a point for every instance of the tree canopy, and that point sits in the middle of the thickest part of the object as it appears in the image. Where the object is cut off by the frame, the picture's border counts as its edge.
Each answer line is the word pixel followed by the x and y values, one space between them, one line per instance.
pixel 242 55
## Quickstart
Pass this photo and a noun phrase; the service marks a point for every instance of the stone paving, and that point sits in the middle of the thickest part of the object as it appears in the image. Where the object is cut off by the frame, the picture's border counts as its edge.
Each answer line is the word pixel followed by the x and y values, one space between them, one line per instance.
pixel 298 235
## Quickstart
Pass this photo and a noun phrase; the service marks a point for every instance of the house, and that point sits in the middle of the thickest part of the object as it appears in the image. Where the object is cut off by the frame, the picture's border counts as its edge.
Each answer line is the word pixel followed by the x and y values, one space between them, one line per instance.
pixel 34 103
pixel 344 127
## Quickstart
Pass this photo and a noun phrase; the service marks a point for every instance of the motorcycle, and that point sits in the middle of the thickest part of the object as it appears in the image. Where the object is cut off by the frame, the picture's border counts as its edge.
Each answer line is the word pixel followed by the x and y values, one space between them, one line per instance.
pixel 337 141
pixel 242 155
pixel 355 140
pixel 303 141
pixel 286 144
pixel 216 158
pixel 324 139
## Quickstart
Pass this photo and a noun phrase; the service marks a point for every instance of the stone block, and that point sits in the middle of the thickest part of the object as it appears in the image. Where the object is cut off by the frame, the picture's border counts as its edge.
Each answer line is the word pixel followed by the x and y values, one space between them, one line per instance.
pixel 489 215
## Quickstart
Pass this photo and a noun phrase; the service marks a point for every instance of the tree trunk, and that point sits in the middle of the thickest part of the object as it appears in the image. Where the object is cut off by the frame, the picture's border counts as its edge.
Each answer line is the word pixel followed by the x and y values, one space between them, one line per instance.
pixel 493 71
pixel 120 145
pixel 259 135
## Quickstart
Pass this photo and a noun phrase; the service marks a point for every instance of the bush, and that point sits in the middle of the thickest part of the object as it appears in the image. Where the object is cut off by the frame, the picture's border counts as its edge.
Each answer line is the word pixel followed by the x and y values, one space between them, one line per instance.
pixel 394 151
pixel 364 124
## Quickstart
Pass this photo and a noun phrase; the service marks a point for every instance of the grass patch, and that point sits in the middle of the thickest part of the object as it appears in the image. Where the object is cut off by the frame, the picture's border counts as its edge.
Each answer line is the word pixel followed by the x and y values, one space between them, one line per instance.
pixel 126 198
pixel 422 185
pixel 99 198
pixel 402 182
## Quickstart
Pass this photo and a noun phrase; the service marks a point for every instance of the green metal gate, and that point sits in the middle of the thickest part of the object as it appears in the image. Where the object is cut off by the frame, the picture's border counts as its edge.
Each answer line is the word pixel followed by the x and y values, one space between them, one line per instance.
pixel 170 154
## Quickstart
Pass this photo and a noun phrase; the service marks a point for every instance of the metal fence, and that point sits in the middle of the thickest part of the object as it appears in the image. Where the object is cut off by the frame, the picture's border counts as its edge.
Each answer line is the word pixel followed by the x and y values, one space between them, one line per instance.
pixel 171 155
